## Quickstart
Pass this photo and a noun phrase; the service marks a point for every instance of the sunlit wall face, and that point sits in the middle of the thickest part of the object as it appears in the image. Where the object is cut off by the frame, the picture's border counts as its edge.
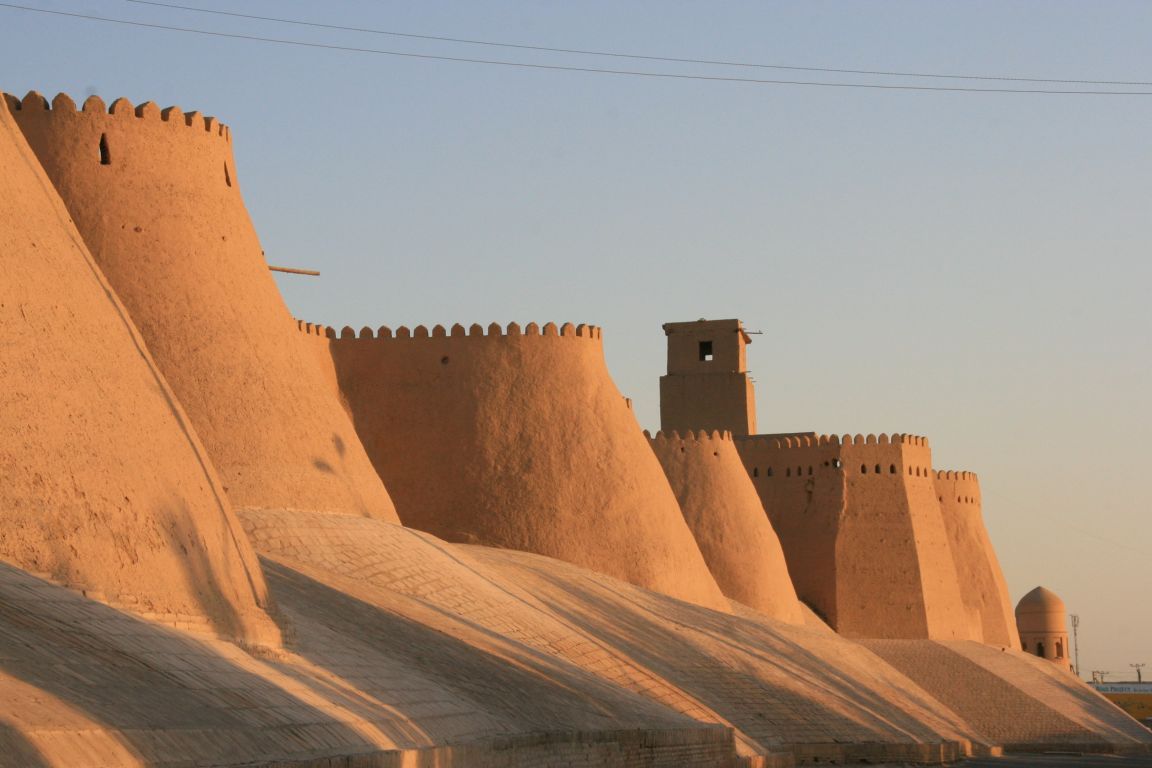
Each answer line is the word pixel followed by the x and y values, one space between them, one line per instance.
pixel 969 266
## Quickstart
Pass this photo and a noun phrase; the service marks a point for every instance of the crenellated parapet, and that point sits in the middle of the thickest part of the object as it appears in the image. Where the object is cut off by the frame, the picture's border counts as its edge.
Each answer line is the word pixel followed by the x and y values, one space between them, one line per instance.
pixel 959 486
pixel 805 455
pixel 190 151
pixel 122 108
pixel 493 330
pixel 689 435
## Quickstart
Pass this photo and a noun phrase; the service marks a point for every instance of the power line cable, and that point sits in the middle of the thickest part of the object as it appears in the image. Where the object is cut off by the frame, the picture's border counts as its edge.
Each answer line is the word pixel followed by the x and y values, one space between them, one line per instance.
pixel 620 55
pixel 564 68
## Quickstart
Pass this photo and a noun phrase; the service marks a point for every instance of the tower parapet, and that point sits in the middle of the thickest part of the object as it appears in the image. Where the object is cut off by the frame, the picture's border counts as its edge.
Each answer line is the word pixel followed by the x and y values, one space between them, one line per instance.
pixel 517 437
pixel 154 194
pixel 725 516
pixel 106 487
pixel 862 531
pixel 982 584
pixel 707 385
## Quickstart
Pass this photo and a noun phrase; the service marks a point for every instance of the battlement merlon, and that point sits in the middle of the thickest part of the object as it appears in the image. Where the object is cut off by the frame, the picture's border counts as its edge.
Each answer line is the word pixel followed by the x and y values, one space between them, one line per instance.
pixel 689 436
pixel 895 454
pixel 62 103
pixel 494 330
pixel 812 440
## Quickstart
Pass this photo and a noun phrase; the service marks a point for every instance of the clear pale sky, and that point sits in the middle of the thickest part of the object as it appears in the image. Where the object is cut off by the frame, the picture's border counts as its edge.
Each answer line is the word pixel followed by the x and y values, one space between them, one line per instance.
pixel 969 266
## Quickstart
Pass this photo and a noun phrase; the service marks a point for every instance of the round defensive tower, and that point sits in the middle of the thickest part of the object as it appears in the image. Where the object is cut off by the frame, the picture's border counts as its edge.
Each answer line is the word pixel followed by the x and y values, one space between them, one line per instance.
pixel 1043 622
pixel 982 585
pixel 106 487
pixel 154 193
pixel 726 517
pixel 519 439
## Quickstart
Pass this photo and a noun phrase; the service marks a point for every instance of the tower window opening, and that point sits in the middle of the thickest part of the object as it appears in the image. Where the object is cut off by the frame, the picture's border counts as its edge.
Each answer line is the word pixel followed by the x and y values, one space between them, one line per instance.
pixel 227 176
pixel 1059 649
pixel 769 472
pixel 105 155
pixel 863 469
pixel 809 469
pixel 891 469
pixel 755 472
pixel 836 463
pixel 877 469
pixel 788 472
pixel 1040 649
pixel 705 351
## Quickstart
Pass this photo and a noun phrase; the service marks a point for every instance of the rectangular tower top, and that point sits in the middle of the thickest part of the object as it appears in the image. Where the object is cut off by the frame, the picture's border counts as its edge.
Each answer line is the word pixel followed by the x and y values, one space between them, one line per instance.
pixel 706 346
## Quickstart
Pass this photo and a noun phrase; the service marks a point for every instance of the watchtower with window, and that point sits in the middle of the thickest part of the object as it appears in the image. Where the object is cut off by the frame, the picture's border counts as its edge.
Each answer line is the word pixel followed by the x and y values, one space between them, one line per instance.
pixel 707 385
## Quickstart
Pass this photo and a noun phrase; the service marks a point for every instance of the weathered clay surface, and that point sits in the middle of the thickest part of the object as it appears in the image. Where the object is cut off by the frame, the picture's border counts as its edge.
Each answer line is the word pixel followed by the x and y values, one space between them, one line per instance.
pixel 982 585
pixel 104 485
pixel 165 221
pixel 1016 700
pixel 862 532
pixel 519 440
pixel 725 515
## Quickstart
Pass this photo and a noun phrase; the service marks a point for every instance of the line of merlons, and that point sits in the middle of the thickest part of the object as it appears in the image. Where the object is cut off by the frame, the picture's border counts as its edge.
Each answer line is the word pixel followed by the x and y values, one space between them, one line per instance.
pixel 566 330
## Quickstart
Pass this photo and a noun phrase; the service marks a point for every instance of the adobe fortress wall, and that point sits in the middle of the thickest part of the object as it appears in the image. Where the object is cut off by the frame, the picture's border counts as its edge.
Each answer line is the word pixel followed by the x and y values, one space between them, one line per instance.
pixel 727 519
pixel 155 195
pixel 518 438
pixel 982 584
pixel 862 532
pixel 104 485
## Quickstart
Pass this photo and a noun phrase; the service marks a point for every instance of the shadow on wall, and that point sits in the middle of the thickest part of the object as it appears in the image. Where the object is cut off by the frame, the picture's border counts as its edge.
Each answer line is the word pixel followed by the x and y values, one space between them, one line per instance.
pixel 15 750
pixel 324 466
pixel 133 677
pixel 766 678
pixel 495 679
pixel 214 591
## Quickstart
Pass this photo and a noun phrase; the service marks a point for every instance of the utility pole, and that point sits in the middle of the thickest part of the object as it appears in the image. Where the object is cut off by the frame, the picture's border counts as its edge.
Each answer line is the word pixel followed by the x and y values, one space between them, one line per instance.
pixel 1139 677
pixel 1098 675
pixel 1076 641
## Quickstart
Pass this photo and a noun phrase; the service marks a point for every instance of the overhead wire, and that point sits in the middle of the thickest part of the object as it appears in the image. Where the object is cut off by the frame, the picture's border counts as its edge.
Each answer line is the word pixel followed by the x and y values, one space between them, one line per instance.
pixel 570 68
pixel 637 56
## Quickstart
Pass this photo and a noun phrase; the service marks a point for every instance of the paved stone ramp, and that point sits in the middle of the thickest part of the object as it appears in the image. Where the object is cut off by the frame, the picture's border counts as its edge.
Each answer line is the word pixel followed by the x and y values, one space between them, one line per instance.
pixel 1015 700
pixel 784 687
pixel 83 685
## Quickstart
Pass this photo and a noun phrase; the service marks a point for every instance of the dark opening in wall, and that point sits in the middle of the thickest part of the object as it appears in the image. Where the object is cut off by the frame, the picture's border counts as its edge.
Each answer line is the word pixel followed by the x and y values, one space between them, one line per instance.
pixel 1039 649
pixel 227 176
pixel 892 469
pixel 1059 649
pixel 105 155
pixel 863 469
pixel 877 469
pixel 705 351
pixel 769 472
pixel 755 472
pixel 836 463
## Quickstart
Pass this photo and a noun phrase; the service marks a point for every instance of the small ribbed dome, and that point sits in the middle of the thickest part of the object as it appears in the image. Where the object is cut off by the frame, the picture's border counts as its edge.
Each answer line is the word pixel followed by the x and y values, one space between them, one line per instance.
pixel 1041 611
pixel 1040 600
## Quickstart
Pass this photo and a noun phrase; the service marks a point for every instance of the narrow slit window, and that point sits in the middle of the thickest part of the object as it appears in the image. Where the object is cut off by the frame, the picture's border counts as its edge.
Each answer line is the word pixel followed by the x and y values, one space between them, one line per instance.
pixel 105 155
pixel 227 176
pixel 705 351
pixel 892 469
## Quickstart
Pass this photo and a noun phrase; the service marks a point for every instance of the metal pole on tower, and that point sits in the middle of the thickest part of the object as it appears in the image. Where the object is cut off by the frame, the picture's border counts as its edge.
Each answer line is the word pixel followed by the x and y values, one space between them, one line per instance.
pixel 1076 641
